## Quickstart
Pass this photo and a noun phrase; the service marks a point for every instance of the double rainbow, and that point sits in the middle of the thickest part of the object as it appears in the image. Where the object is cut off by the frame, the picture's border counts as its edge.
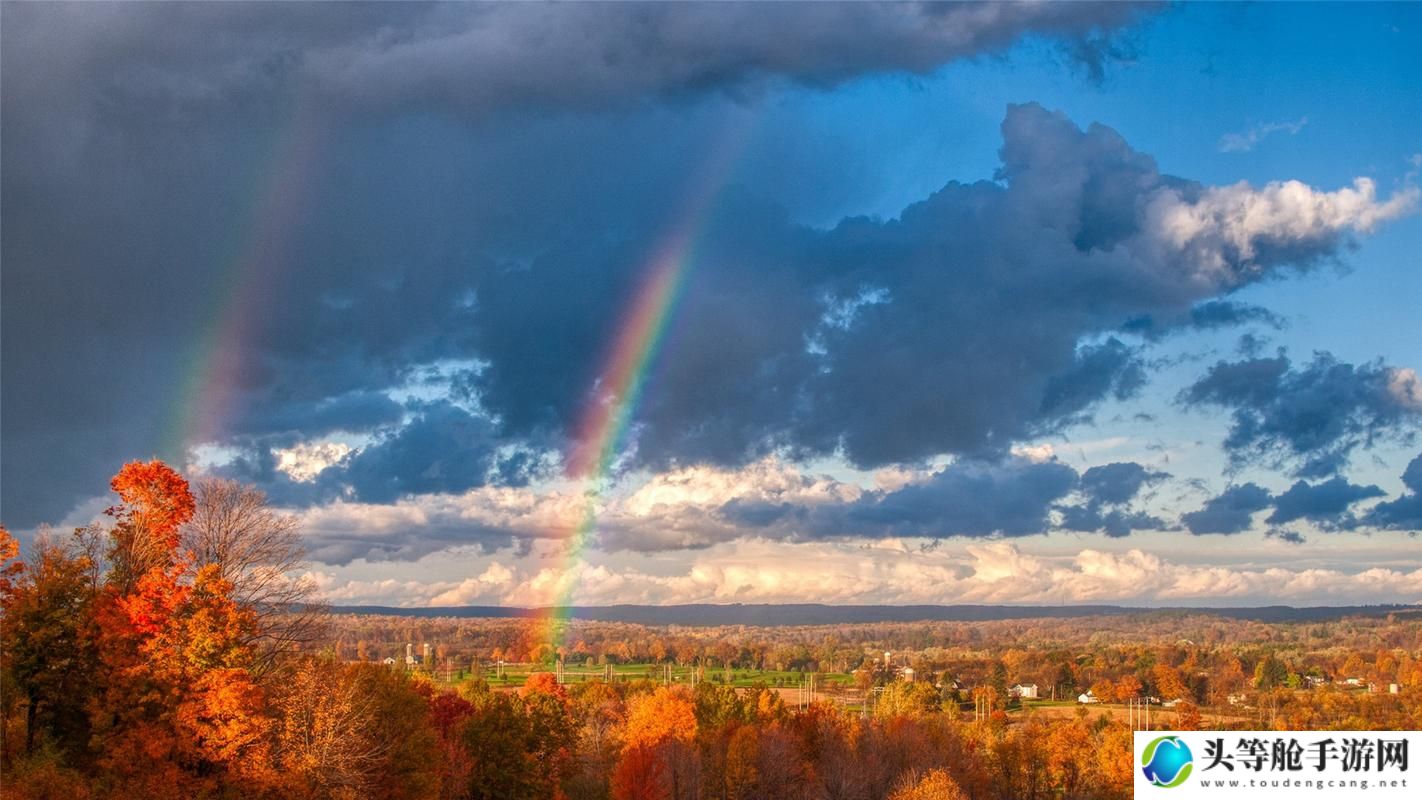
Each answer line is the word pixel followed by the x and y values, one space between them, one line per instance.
pixel 280 191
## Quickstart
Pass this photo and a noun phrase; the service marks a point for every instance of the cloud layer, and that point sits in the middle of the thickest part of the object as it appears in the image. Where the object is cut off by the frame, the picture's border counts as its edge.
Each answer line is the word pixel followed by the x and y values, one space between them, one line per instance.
pixel 997 572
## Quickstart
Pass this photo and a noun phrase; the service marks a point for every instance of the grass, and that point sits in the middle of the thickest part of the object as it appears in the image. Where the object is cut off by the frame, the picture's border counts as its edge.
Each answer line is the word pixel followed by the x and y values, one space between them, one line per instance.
pixel 517 674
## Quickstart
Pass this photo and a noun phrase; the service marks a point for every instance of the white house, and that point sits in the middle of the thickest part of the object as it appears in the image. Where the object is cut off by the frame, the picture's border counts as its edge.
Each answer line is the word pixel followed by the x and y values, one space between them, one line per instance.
pixel 1026 691
pixel 1087 698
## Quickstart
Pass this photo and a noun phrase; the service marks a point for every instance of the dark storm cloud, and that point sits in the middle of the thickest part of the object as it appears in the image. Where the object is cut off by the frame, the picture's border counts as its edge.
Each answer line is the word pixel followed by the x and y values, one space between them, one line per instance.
pixel 1011 498
pixel 326 181
pixel 1404 513
pixel 1114 522
pixel 338 541
pixel 443 449
pixel 1118 482
pixel 1108 369
pixel 1310 417
pixel 969 498
pixel 1325 504
pixel 1106 491
pixel 1231 512
pixel 142 143
pixel 483 57
pixel 355 411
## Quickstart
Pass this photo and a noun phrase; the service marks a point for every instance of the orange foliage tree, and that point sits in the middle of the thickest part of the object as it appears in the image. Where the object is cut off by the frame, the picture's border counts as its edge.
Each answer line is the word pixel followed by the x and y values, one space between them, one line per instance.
pixel 661 726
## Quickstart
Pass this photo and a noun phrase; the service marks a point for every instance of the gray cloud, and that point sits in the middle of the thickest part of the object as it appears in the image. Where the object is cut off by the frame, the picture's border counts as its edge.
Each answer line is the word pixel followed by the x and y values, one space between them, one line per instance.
pixel 1231 512
pixel 1325 504
pixel 1209 315
pixel 1311 417
pixel 1118 482
pixel 75 70
pixel 1113 522
pixel 1405 512
pixel 1012 498
pixel 1106 491
pixel 975 499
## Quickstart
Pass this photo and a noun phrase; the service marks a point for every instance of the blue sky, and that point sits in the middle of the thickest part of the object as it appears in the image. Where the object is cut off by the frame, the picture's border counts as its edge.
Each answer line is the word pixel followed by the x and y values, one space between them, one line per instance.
pixel 415 249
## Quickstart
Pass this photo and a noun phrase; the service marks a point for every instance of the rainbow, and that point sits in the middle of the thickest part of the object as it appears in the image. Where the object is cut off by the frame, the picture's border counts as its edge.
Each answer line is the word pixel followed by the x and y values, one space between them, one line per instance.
pixel 600 436
pixel 214 367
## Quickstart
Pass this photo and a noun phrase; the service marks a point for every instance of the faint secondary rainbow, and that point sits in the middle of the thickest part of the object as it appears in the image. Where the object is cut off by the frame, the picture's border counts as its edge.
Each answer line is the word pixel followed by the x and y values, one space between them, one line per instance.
pixel 213 373
pixel 601 434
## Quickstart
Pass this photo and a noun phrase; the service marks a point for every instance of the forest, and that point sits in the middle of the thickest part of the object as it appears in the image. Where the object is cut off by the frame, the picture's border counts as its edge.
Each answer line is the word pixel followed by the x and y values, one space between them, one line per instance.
pixel 173 652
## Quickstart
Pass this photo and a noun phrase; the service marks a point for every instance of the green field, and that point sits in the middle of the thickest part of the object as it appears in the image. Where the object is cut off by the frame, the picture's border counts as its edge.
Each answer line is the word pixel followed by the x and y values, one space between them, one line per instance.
pixel 514 675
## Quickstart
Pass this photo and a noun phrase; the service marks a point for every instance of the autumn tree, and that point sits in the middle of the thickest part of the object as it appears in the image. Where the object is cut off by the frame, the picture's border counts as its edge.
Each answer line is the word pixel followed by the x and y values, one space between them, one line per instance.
pixel 258 551
pixel 324 738
pixel 601 714
pixel 1187 717
pixel 1104 690
pixel 936 785
pixel 141 670
pixel 403 733
pixel 448 713
pixel 498 739
pixel 1168 683
pixel 49 657
pixel 1069 747
pixel 552 735
pixel 1226 679
pixel 156 502
pixel 1127 687
pixel 906 699
pixel 141 647
pixel 660 733
pixel 740 772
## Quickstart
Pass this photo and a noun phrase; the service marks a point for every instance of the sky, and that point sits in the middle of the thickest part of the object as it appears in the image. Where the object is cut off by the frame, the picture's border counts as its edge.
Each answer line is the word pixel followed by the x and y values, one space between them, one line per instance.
pixel 593 303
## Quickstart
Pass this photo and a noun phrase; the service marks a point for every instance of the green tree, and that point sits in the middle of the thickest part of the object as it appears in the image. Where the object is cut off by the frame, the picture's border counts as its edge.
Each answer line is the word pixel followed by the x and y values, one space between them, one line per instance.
pixel 1270 672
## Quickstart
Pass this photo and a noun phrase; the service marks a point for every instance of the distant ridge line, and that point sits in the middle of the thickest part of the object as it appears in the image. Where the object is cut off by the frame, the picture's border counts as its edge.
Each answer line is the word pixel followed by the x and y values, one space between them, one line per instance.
pixel 768 615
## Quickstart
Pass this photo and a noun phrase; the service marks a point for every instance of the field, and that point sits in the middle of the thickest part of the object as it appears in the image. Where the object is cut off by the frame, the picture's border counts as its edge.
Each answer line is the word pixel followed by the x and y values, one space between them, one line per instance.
pixel 512 675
